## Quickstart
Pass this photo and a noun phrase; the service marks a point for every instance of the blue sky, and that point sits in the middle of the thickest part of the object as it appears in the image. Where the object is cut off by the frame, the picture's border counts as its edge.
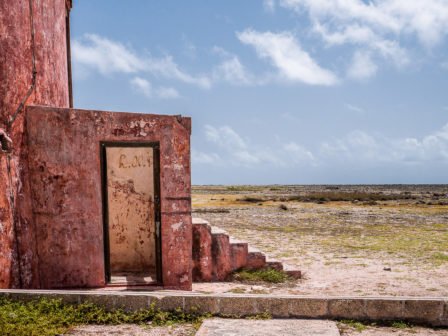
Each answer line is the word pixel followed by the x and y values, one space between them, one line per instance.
pixel 280 91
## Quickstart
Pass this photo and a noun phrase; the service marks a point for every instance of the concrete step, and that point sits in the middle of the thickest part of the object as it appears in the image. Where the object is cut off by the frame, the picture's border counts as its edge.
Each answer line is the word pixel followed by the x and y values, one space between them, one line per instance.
pixel 216 254
pixel 291 271
pixel 235 327
pixel 221 256
pixel 202 251
pixel 238 255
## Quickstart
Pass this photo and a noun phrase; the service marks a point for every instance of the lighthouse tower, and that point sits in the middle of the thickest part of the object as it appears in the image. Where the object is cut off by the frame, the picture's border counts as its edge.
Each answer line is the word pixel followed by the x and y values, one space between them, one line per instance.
pixel 34 69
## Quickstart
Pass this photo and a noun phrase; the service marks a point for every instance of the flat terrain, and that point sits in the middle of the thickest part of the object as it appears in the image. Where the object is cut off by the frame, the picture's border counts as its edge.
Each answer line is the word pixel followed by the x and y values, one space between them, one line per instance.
pixel 387 240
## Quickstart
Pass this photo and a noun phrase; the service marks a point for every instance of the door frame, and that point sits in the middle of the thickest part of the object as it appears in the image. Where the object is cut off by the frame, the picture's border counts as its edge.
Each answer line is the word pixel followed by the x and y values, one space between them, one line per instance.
pixel 157 212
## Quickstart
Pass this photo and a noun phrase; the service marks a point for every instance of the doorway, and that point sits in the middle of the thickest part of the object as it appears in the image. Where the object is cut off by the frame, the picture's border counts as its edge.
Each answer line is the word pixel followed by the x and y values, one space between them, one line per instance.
pixel 131 212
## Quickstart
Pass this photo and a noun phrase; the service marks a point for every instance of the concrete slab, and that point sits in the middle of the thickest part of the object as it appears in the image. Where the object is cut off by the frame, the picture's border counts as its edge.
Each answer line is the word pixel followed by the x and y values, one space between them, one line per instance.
pixel 235 327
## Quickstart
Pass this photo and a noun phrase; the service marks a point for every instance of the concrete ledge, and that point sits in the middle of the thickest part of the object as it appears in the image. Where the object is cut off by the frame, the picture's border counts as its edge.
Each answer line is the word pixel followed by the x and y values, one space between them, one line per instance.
pixel 427 311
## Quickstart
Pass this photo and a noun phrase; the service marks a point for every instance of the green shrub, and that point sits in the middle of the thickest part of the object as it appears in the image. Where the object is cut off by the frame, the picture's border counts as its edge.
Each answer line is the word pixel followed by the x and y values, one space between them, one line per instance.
pixel 264 275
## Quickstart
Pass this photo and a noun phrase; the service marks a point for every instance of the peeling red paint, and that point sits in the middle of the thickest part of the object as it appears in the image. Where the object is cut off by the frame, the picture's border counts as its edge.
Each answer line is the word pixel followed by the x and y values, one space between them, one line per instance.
pixel 51 89
pixel 65 179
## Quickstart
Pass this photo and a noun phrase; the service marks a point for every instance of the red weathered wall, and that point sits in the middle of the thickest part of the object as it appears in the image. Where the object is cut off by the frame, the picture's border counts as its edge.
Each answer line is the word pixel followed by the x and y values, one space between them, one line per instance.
pixel 51 89
pixel 65 179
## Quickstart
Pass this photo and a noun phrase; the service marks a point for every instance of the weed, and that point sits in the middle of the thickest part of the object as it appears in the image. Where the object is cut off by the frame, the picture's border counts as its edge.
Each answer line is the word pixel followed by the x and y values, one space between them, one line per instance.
pixel 355 324
pixel 401 325
pixel 53 317
pixel 264 316
pixel 269 275
pixel 46 317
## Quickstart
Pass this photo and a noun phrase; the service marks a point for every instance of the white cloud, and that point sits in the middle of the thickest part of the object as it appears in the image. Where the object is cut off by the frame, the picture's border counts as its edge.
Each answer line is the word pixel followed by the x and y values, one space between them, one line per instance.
pixel 355 108
pixel 204 158
pixel 356 149
pixel 287 56
pixel 362 66
pixel 358 35
pixel 233 72
pixel 167 93
pixel 143 86
pixel 426 19
pixel 360 147
pixel 382 27
pixel 225 137
pixel 236 151
pixel 444 65
pixel 108 57
pixel 299 154
pixel 269 6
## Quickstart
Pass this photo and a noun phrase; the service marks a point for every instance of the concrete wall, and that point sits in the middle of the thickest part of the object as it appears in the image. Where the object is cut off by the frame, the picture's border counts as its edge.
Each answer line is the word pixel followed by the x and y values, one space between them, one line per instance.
pixel 51 89
pixel 65 180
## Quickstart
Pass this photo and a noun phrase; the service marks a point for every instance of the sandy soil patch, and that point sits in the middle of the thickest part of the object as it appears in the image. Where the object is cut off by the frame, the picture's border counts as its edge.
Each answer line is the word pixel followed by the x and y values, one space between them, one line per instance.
pixel 388 331
pixel 132 329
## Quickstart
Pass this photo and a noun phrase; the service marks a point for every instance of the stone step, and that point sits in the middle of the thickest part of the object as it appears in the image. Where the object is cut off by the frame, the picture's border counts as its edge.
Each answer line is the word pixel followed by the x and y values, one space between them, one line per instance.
pixel 255 260
pixel 202 251
pixel 216 254
pixel 221 256
pixel 275 264
pixel 291 271
pixel 238 255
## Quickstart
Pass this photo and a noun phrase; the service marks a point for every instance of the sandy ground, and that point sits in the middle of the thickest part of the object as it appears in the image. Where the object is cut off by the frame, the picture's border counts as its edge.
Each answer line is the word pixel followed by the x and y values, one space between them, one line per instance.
pixel 132 330
pixel 390 248
pixel 388 331
pixel 187 330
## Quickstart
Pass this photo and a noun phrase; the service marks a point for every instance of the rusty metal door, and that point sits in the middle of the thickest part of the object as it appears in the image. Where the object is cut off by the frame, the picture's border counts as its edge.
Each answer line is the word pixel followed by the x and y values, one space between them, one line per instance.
pixel 131 212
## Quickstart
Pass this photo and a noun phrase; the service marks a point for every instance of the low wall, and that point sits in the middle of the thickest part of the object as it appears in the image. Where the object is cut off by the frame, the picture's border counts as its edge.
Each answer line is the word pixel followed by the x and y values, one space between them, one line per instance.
pixel 426 311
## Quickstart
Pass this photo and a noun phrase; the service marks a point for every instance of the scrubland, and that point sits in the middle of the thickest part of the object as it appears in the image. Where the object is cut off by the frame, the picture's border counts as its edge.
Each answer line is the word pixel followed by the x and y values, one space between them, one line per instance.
pixel 359 240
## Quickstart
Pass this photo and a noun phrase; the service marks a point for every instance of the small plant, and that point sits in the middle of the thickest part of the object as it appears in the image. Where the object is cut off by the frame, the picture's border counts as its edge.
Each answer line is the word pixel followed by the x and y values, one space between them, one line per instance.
pixel 283 207
pixel 355 324
pixel 269 275
pixel 401 325
pixel 264 316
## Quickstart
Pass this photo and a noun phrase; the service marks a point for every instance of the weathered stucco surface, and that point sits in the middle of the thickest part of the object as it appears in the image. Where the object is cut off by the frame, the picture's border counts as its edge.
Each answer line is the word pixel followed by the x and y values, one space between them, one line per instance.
pixel 65 180
pixel 51 89
pixel 130 189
